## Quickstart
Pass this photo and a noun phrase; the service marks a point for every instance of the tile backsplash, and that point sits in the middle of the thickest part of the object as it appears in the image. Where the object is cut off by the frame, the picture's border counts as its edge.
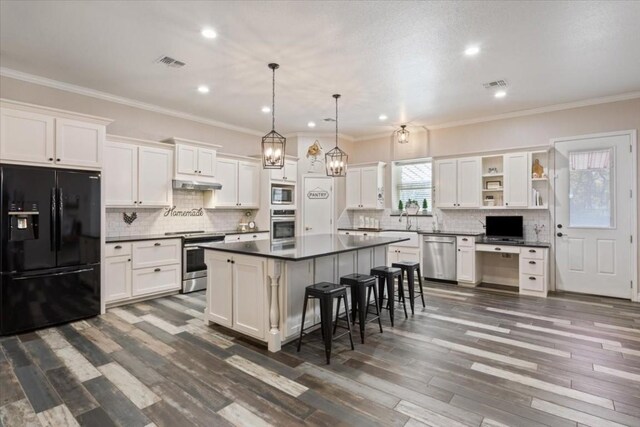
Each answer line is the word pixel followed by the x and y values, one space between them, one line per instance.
pixel 154 221
pixel 468 220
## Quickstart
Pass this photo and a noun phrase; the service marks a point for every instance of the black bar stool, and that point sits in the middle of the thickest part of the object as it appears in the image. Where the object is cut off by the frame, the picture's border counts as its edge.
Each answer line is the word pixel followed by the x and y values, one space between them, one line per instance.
pixel 362 285
pixel 410 268
pixel 387 275
pixel 325 292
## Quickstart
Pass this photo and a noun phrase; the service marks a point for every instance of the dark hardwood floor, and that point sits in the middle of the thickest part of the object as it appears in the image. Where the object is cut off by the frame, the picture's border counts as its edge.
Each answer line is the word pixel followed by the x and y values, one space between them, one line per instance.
pixel 470 358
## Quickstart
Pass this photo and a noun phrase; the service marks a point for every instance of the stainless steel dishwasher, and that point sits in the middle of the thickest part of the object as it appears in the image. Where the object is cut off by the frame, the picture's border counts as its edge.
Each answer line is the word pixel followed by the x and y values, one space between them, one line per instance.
pixel 439 257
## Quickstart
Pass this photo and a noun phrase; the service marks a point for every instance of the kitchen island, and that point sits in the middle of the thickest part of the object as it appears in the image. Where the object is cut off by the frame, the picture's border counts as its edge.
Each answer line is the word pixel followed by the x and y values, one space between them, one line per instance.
pixel 257 288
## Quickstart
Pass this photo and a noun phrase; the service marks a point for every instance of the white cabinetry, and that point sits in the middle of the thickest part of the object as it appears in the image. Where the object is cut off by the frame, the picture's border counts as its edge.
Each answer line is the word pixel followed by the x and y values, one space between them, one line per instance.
pixel 137 173
pixel 79 143
pixel 402 253
pixel 194 160
pixel 45 136
pixel 142 269
pixel 458 183
pixel 516 181
pixel 118 278
pixel 534 275
pixel 238 297
pixel 467 265
pixel 240 179
pixel 365 186
pixel 288 173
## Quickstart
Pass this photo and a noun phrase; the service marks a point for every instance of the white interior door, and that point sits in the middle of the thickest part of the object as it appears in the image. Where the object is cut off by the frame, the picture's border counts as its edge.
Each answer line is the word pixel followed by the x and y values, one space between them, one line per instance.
pixel 593 214
pixel 317 212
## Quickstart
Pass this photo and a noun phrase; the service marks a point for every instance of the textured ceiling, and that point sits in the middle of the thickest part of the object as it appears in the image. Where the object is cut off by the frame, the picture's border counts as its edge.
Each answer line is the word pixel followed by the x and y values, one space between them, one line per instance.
pixel 403 59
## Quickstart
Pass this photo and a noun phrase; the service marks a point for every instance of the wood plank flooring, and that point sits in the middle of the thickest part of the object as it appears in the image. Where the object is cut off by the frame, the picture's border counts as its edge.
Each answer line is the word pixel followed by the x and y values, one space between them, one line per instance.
pixel 472 357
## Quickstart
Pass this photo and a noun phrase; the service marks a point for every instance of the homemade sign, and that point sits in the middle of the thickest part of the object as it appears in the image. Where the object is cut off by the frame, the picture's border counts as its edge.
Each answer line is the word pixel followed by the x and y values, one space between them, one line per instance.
pixel 172 211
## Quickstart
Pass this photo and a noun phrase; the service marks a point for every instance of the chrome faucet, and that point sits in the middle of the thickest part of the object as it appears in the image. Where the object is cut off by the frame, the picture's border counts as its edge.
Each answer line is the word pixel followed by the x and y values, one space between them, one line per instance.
pixel 408 226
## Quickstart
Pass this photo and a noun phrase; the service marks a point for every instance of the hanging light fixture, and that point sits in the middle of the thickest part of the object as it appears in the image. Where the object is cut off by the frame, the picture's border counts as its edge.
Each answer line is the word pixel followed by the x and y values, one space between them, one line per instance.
pixel 402 135
pixel 336 159
pixel 273 143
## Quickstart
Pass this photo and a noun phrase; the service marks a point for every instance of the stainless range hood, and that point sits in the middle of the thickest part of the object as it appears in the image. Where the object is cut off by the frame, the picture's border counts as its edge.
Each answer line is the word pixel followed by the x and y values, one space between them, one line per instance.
pixel 195 185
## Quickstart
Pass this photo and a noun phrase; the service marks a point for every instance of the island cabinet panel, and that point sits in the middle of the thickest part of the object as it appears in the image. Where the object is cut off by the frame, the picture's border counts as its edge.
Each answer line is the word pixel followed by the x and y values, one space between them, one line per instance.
pixel 219 294
pixel 298 276
pixel 249 293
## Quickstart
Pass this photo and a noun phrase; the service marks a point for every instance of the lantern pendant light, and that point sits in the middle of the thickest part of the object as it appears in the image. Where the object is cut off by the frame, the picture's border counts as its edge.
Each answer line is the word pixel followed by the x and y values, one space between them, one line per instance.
pixel 402 135
pixel 336 159
pixel 273 144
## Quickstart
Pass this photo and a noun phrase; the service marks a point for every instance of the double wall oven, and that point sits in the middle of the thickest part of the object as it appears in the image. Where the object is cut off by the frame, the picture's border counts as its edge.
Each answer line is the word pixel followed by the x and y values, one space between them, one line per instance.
pixel 283 225
pixel 194 269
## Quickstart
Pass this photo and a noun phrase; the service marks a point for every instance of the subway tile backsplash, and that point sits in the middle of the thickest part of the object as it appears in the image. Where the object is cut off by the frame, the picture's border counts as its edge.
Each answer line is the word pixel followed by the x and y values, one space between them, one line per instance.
pixel 154 221
pixel 467 220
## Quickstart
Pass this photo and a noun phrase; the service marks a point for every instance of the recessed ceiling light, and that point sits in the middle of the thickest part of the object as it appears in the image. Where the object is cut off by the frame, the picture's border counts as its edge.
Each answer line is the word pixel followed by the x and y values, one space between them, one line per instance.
pixel 203 89
pixel 500 94
pixel 209 33
pixel 472 50
pixel 311 124
pixel 382 117
pixel 266 109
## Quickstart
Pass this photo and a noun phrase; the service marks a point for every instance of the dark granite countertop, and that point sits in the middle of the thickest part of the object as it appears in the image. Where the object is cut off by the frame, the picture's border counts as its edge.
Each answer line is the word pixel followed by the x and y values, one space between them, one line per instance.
pixel 305 247
pixel 118 239
pixel 525 243
pixel 436 233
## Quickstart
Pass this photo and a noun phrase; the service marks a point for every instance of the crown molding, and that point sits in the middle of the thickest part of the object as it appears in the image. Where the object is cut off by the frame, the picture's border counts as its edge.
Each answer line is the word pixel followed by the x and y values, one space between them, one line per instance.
pixel 550 108
pixel 522 113
pixel 80 90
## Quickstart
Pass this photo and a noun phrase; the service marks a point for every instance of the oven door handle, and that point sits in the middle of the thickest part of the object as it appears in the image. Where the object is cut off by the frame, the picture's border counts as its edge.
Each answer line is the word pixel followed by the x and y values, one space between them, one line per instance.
pixel 191 246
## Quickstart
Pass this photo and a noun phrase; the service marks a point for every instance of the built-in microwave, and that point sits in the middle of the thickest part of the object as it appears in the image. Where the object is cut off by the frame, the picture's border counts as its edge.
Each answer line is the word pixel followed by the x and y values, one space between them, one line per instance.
pixel 282 194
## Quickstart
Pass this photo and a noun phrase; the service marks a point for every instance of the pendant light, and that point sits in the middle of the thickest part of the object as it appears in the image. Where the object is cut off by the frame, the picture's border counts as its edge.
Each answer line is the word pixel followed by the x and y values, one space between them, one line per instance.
pixel 273 143
pixel 402 135
pixel 336 159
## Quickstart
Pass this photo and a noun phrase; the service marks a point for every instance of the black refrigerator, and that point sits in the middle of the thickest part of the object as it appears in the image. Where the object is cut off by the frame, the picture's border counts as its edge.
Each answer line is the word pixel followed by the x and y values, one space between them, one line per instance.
pixel 50 252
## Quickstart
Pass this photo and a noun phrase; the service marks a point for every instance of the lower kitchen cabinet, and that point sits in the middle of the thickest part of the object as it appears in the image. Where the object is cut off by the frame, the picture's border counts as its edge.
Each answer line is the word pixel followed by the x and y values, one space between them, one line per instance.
pixel 118 274
pixel 237 298
pixel 142 269
pixel 467 265
pixel 402 253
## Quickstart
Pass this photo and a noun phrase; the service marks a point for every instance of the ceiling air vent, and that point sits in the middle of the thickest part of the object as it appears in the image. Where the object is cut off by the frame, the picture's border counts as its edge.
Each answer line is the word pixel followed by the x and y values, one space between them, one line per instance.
pixel 170 62
pixel 496 84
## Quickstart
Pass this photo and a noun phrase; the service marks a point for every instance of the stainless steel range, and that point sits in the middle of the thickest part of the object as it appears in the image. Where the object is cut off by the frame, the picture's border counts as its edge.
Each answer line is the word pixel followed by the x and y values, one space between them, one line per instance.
pixel 194 270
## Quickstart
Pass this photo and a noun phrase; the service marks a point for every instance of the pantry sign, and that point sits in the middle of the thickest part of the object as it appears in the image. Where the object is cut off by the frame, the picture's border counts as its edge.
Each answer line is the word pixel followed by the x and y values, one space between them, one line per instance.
pixel 317 193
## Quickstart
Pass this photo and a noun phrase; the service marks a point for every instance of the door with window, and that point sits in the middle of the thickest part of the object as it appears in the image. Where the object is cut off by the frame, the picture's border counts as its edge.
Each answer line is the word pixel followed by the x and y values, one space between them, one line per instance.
pixel 593 214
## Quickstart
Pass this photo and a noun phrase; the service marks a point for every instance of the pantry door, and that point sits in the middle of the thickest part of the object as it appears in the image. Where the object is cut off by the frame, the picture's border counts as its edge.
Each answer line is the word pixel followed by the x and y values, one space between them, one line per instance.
pixel 317 209
pixel 594 210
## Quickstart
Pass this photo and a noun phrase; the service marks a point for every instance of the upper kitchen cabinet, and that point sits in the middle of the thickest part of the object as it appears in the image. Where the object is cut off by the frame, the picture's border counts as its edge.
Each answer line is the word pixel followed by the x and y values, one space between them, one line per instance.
pixel 79 143
pixel 137 173
pixel 516 180
pixel 458 183
pixel 240 180
pixel 41 136
pixel 194 160
pixel 288 173
pixel 365 186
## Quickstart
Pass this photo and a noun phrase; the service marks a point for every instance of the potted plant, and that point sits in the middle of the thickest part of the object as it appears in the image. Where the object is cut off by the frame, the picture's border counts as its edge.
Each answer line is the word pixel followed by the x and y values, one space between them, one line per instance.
pixel 400 205
pixel 425 205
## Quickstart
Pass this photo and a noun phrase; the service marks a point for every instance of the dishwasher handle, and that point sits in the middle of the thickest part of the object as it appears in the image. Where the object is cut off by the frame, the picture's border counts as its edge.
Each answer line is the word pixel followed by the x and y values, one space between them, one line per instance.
pixel 448 242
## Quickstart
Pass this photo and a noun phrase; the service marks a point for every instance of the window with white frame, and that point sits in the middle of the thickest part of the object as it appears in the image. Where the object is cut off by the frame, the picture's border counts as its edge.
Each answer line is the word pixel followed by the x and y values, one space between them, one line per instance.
pixel 412 180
